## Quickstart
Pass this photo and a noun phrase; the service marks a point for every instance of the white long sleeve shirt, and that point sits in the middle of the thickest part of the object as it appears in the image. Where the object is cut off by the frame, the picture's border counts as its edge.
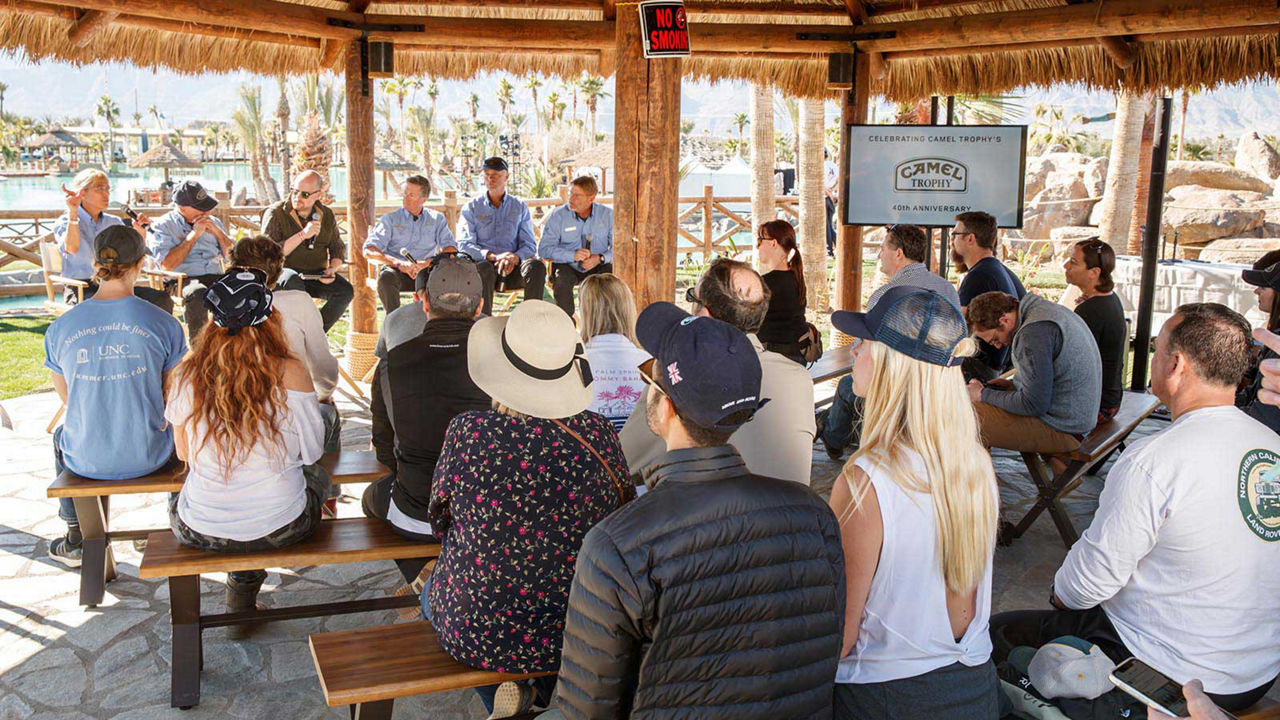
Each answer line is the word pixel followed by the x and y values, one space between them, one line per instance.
pixel 305 330
pixel 1183 554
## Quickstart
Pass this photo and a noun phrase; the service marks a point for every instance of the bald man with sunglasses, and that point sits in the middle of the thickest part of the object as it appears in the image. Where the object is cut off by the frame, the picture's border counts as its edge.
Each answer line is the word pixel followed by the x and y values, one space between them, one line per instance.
pixel 313 250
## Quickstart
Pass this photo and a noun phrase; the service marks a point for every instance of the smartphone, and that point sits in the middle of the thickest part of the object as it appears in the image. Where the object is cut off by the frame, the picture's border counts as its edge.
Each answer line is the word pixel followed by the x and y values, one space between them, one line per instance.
pixel 1152 687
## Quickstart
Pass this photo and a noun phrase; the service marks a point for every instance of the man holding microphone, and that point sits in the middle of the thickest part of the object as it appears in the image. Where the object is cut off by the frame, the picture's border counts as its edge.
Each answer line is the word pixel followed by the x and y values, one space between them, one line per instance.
pixel 314 252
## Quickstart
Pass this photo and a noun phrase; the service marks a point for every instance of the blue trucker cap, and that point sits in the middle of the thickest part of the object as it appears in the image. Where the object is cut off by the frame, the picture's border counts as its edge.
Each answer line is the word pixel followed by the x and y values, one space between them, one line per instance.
pixel 916 322
pixel 708 368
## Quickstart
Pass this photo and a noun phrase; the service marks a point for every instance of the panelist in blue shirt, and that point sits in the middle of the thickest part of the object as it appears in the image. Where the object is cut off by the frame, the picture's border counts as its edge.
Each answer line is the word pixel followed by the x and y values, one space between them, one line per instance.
pixel 189 240
pixel 578 240
pixel 497 231
pixel 414 230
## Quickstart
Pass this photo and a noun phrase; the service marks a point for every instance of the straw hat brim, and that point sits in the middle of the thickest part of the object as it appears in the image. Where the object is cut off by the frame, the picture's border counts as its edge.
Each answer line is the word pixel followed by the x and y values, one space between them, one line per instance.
pixel 493 373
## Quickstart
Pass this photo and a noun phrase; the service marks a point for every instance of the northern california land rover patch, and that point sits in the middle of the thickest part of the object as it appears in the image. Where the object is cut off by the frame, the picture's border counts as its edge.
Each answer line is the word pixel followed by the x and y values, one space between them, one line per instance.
pixel 1258 491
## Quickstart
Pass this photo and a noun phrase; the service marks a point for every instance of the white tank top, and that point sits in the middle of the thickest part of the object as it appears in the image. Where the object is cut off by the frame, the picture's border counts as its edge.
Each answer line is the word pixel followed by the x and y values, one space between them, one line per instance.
pixel 905 628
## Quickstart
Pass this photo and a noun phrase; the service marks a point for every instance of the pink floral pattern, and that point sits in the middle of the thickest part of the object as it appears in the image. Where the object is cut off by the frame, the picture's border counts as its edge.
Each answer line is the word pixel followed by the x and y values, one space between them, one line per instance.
pixel 512 500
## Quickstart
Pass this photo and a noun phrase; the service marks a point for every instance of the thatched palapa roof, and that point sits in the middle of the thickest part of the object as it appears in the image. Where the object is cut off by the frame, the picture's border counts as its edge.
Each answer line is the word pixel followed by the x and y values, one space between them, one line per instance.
pixel 919 47
pixel 164 155
pixel 57 138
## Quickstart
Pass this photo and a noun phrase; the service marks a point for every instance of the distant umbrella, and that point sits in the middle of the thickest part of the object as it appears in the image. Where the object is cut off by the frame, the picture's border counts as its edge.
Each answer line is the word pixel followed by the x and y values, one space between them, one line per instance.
pixel 166 156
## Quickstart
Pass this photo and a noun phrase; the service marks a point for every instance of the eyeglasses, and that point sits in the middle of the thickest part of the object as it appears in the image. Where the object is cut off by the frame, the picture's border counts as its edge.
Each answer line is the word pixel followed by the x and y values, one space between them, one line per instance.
pixel 690 297
pixel 304 194
pixel 762 239
pixel 646 374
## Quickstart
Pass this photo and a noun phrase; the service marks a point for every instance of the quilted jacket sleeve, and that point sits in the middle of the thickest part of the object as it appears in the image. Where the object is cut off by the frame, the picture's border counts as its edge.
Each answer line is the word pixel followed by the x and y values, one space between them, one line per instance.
pixel 600 660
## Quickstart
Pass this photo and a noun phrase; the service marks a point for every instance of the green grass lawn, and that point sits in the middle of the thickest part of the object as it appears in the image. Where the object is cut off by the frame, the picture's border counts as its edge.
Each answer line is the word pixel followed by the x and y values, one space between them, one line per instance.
pixel 22 355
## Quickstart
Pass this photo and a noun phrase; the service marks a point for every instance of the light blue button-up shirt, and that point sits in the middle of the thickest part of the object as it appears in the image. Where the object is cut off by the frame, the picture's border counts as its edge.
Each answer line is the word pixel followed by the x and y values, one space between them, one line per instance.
pixel 79 266
pixel 171 230
pixel 422 237
pixel 565 233
pixel 506 228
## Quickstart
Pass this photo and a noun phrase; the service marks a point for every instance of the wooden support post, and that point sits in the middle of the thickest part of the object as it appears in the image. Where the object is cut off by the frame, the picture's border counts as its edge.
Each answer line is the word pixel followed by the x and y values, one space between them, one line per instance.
pixel 364 309
pixel 708 232
pixel 452 210
pixel 646 166
pixel 89 23
pixel 849 242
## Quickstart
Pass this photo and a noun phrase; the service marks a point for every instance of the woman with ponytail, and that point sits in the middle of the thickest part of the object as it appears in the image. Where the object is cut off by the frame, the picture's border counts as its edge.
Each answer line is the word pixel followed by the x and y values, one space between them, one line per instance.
pixel 783 272
pixel 917 505
pixel 247 422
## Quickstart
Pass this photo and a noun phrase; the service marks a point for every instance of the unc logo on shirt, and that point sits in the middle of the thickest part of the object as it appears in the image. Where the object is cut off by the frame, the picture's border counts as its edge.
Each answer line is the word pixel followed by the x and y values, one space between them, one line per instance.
pixel 1258 491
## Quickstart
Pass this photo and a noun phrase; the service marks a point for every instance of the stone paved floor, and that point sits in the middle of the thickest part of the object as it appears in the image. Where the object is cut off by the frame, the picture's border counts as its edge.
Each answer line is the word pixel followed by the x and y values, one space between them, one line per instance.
pixel 58 660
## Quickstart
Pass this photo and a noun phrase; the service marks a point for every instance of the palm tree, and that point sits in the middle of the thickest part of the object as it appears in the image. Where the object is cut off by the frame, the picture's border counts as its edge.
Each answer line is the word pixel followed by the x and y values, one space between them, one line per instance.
pixel 108 111
pixel 740 123
pixel 1121 186
pixel 687 127
pixel 433 92
pixel 211 138
pixel 762 156
pixel 98 143
pixel 813 208
pixel 3 87
pixel 473 102
pixel 532 85
pixel 137 119
pixel 422 126
pixel 1182 124
pixel 574 85
pixel 248 120
pixel 506 95
pixel 399 87
pixel 789 108
pixel 593 89
pixel 382 109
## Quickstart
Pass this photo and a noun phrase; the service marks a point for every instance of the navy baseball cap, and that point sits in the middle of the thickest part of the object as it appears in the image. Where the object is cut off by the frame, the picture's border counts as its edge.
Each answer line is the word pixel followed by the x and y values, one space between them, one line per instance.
pixel 495 163
pixel 192 194
pixel 707 367
pixel 916 322
pixel 118 244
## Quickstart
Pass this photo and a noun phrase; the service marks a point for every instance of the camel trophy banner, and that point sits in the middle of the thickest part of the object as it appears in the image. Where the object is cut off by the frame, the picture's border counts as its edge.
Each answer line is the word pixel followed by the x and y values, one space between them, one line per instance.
pixel 927 174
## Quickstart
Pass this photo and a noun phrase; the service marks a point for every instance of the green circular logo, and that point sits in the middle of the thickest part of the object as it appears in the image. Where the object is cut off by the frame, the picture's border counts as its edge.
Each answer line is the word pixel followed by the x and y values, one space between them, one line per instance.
pixel 1258 491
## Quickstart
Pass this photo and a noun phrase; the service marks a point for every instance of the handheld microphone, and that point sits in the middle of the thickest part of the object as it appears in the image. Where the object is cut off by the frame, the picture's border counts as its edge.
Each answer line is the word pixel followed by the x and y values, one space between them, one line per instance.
pixel 404 253
pixel 311 241
pixel 129 212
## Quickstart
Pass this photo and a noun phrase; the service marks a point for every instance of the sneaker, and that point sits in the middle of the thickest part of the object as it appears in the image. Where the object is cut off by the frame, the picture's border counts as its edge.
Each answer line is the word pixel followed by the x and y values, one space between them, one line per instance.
pixel 329 510
pixel 64 552
pixel 511 699
pixel 140 544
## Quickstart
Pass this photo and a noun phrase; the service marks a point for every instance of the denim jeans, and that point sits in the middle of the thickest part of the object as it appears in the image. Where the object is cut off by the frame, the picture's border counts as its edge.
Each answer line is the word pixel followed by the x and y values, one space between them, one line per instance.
pixel 844 419
pixel 544 687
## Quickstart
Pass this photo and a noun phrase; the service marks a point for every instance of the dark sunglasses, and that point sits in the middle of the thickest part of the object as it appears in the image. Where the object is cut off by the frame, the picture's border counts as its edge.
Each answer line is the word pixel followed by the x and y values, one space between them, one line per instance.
pixel 690 297
pixel 304 194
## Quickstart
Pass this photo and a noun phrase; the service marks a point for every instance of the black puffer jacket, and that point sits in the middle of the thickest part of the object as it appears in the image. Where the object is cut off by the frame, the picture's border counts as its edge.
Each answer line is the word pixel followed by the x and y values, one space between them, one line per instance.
pixel 718 594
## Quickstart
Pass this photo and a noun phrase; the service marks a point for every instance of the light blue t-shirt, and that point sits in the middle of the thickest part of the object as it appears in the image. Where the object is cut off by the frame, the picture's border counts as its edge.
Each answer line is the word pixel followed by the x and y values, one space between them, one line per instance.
pixel 113 354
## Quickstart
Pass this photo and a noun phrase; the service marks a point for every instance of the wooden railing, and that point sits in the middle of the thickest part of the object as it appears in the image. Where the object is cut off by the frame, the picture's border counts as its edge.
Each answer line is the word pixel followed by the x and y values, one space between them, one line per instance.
pixel 707 223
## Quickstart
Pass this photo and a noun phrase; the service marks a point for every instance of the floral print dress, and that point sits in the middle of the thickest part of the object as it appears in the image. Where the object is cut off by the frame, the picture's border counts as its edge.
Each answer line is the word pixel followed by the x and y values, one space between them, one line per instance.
pixel 511 500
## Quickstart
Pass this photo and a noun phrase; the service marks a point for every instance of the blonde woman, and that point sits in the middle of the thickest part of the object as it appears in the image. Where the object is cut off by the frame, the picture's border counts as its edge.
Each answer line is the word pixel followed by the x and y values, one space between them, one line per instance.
pixel 609 333
pixel 917 507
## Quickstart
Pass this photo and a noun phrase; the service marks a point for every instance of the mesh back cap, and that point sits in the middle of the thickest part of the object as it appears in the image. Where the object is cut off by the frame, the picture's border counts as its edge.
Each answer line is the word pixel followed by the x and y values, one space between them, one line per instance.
pixel 916 322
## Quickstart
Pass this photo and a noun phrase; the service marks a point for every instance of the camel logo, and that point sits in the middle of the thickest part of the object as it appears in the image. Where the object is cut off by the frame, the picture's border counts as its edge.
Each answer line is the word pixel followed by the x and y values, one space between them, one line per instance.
pixel 1258 492
pixel 931 174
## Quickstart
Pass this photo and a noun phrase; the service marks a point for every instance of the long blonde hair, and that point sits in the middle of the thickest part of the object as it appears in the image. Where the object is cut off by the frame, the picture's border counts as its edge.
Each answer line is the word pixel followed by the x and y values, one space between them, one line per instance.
pixel 236 387
pixel 607 307
pixel 914 405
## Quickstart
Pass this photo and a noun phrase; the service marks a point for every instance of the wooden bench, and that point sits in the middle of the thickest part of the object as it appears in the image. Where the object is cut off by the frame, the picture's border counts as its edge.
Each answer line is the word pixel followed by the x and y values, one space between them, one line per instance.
pixel 369 668
pixel 98 566
pixel 835 362
pixel 1264 710
pixel 346 540
pixel 1134 408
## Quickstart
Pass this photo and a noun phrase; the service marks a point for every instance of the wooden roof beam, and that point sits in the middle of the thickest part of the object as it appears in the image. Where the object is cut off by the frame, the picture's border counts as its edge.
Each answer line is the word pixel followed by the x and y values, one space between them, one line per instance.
pixel 1070 22
pixel 599 35
pixel 87 25
pixel 278 17
pixel 331 51
pixel 188 28
pixel 1120 50
pixel 1079 42
pixel 358 6
pixel 857 11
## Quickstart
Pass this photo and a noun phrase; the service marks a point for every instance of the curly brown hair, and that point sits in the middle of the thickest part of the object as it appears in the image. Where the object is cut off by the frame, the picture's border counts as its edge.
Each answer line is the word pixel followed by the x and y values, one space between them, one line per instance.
pixel 262 253
pixel 236 386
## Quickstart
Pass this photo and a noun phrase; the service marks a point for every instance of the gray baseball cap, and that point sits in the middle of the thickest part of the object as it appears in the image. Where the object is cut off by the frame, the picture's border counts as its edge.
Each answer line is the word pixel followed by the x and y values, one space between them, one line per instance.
pixel 453 283
pixel 119 245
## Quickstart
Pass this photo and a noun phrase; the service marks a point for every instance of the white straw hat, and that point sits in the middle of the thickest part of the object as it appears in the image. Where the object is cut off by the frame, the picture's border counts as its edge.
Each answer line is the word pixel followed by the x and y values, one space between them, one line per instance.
pixel 532 361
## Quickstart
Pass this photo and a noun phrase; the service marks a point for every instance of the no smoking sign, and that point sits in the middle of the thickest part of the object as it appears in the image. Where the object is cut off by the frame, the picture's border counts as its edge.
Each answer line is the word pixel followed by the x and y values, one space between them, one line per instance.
pixel 665 29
